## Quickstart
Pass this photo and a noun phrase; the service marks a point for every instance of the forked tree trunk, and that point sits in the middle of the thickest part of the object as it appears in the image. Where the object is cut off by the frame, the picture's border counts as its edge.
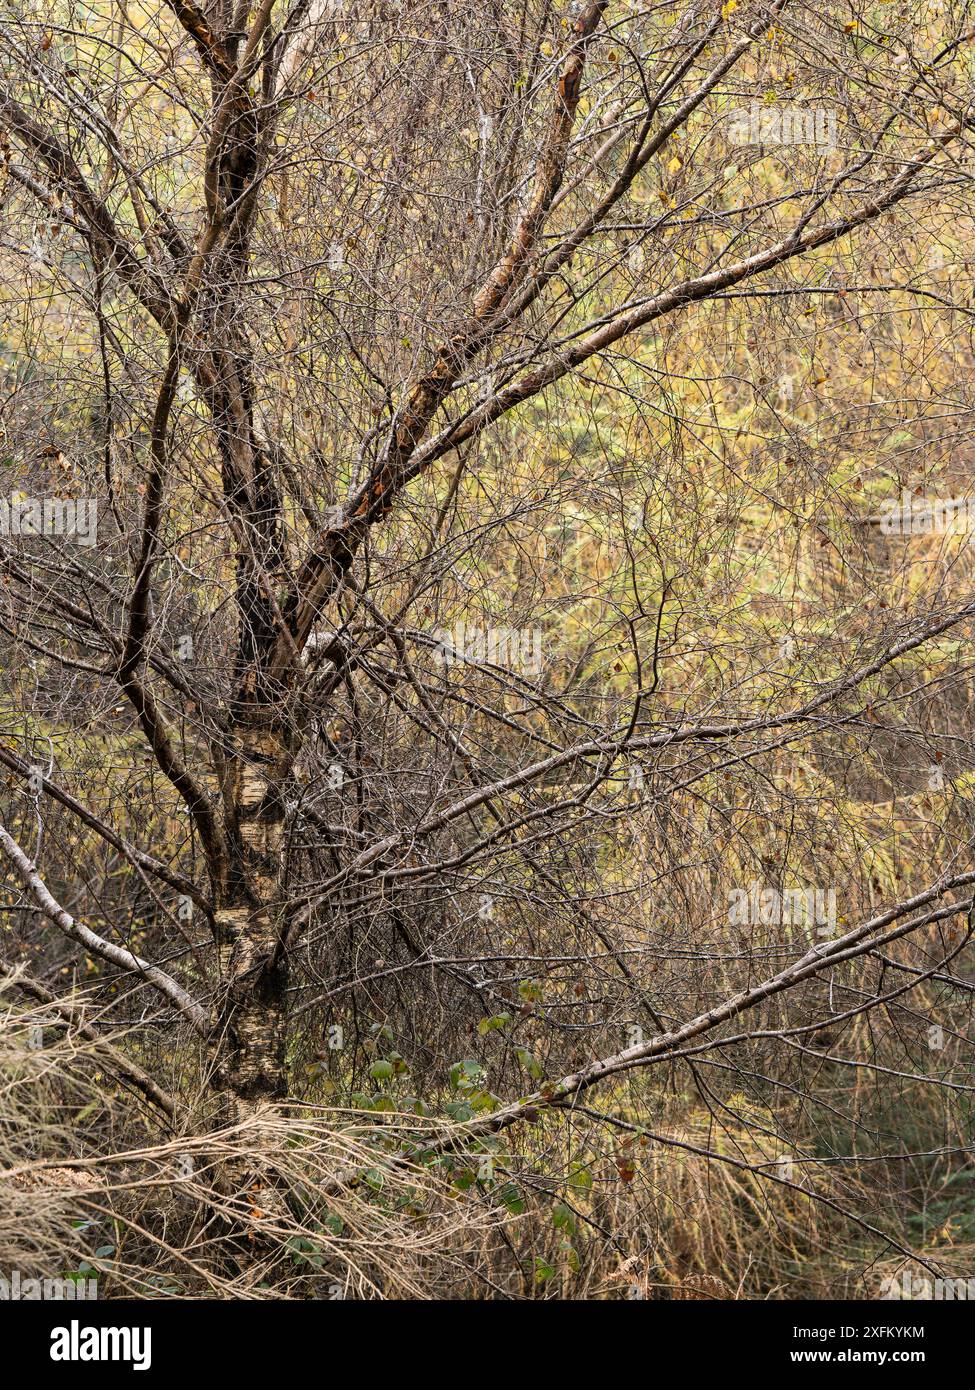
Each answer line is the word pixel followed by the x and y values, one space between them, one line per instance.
pixel 249 912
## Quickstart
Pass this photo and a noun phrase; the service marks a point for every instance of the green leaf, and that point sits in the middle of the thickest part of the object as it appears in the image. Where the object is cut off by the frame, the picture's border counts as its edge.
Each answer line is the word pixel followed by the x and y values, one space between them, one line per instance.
pixel 412 1105
pixel 563 1217
pixel 510 1195
pixel 580 1178
pixel 530 1063
pixel 483 1100
pixel 465 1074
pixel 543 1270
pixel 489 1025
pixel 459 1110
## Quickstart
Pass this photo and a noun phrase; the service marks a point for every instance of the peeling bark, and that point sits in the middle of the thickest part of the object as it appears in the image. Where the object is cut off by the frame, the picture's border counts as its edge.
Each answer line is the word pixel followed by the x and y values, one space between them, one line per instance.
pixel 251 1014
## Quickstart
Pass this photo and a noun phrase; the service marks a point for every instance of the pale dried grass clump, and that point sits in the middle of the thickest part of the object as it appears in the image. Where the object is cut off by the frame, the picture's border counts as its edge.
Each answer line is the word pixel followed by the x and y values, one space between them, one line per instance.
pixel 291 1202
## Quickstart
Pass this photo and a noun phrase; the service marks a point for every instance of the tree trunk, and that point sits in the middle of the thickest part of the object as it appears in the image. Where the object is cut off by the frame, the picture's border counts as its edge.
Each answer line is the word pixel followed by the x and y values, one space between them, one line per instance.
pixel 253 965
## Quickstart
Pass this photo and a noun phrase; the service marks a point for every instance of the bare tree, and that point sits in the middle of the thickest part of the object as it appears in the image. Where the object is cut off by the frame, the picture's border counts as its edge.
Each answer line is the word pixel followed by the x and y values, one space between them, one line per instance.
pixel 490 411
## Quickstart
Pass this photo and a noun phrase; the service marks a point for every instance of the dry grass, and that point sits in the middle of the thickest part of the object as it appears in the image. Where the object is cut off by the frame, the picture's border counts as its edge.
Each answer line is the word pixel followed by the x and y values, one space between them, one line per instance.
pixel 303 1202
